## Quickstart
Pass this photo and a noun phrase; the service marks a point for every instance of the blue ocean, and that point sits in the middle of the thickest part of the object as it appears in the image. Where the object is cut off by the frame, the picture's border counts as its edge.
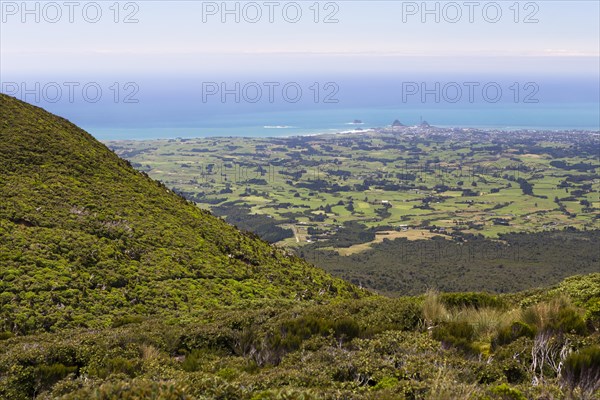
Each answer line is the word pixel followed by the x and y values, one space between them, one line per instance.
pixel 311 122
pixel 267 107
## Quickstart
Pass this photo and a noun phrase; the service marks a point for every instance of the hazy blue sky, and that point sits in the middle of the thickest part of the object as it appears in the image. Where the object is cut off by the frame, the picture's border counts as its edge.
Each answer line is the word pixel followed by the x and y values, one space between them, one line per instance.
pixel 171 37
pixel 545 51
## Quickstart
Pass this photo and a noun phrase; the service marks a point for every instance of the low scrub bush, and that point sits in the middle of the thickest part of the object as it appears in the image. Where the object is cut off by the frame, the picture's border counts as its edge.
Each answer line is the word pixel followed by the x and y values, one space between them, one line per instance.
pixel 126 320
pixel 459 334
pixel 472 299
pixel 581 370
pixel 512 332
pixel 505 392
pixel 48 375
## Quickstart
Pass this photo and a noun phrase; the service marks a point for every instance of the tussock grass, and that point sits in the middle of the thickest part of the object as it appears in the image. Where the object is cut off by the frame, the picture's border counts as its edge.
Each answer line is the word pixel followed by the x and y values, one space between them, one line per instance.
pixel 558 314
pixel 445 387
pixel 434 311
pixel 487 322
pixel 488 326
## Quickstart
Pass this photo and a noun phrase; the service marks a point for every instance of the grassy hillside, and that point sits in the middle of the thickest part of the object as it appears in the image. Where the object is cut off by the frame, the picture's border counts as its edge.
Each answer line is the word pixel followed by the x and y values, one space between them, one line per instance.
pixel 85 240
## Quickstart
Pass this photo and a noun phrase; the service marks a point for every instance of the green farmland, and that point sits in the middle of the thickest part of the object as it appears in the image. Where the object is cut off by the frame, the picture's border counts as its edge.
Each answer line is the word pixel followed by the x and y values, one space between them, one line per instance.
pixel 338 200
pixel 455 183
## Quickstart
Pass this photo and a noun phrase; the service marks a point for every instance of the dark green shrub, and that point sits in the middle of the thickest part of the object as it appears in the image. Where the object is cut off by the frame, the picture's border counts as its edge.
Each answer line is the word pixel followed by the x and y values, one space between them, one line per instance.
pixel 116 365
pixel 126 320
pixel 569 320
pixel 489 373
pixel 48 375
pixel 458 334
pixel 471 299
pixel 455 329
pixel 208 337
pixel 292 333
pixel 6 335
pixel 344 373
pixel 511 333
pixel 305 327
pixel 514 372
pixel 193 361
pixel 346 329
pixel 592 314
pixel 582 370
pixel 407 316
pixel 133 390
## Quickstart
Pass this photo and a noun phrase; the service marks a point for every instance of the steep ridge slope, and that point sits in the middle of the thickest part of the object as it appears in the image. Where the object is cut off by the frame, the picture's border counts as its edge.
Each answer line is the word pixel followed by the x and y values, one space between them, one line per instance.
pixel 85 239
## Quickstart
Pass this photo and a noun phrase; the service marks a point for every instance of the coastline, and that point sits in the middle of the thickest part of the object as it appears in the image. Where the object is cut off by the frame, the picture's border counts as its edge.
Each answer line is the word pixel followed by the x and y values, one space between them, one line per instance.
pixel 415 129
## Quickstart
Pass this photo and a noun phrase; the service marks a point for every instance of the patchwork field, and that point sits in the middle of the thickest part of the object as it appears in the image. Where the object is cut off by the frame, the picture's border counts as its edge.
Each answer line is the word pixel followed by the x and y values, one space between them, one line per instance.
pixel 449 182
pixel 371 207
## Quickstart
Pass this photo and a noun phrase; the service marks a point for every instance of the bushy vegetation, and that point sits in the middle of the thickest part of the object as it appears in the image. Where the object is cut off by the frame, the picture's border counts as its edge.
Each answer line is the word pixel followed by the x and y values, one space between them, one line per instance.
pixel 581 371
pixel 87 241
pixel 112 287
pixel 376 348
pixel 259 224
